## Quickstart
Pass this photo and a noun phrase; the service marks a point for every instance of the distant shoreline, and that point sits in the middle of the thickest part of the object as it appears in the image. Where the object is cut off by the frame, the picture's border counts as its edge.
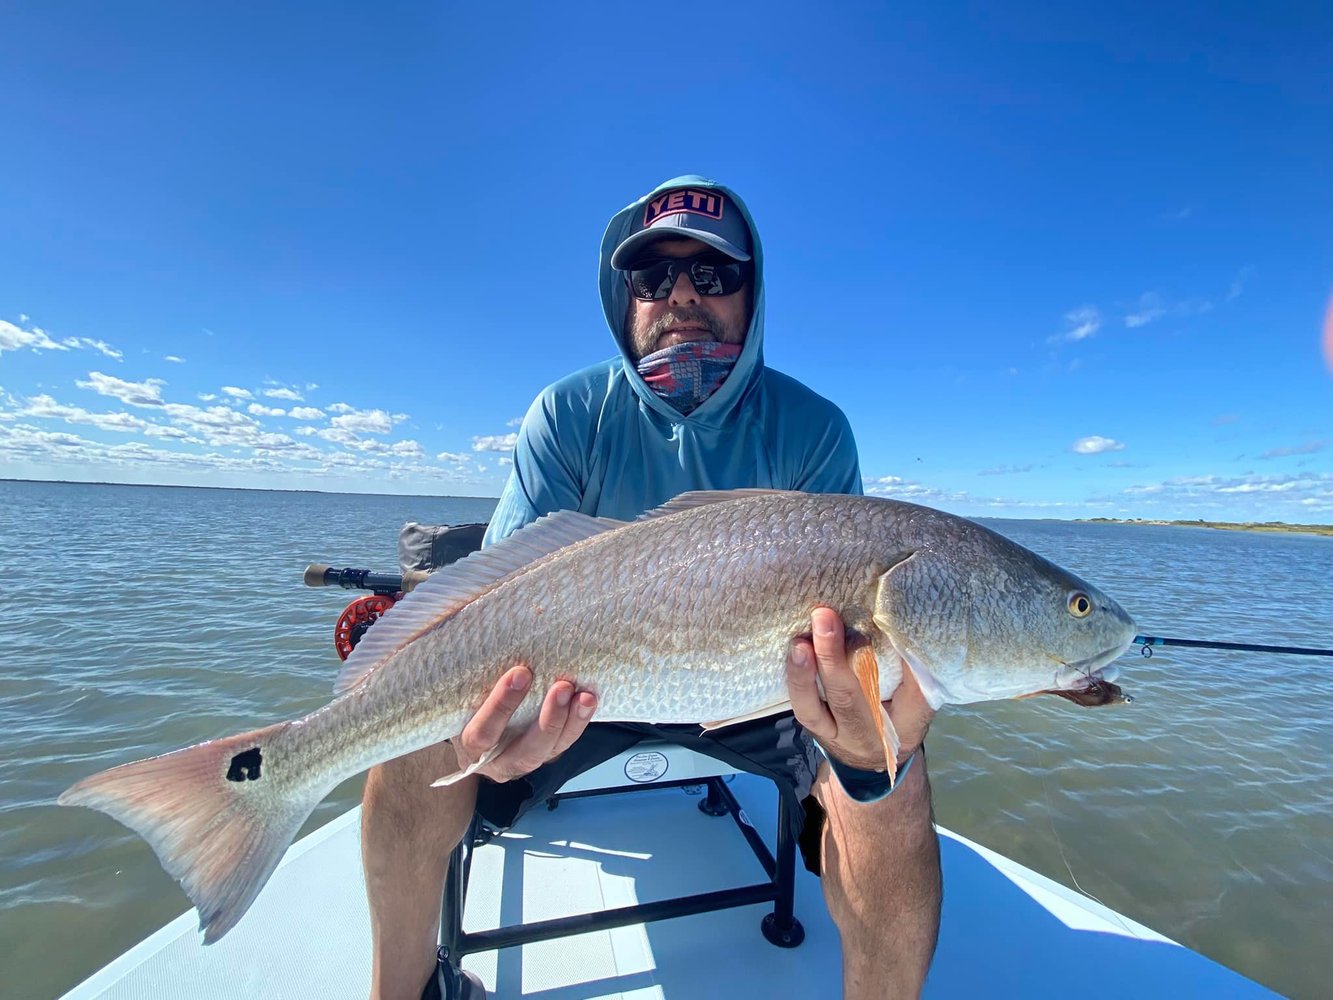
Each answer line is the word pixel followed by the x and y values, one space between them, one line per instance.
pixel 1270 526
pixel 239 489
pixel 1278 526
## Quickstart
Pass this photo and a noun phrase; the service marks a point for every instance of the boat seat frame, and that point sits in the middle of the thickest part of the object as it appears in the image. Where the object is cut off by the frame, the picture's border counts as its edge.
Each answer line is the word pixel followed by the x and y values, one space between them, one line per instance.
pixel 780 927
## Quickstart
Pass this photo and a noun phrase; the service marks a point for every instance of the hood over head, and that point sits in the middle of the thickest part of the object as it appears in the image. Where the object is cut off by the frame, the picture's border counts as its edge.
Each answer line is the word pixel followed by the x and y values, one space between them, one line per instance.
pixel 629 221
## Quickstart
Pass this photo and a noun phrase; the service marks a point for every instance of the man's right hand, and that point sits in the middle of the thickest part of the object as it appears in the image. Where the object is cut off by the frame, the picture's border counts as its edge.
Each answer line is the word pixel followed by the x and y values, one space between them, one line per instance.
pixel 564 716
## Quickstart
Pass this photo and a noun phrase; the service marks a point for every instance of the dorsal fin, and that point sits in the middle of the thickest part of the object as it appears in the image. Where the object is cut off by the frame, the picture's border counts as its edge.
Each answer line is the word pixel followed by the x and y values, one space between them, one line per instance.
pixel 451 587
pixel 702 498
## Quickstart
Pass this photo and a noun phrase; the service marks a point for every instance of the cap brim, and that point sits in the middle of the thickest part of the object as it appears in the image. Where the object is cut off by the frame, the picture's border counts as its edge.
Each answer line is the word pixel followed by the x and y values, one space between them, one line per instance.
pixel 627 251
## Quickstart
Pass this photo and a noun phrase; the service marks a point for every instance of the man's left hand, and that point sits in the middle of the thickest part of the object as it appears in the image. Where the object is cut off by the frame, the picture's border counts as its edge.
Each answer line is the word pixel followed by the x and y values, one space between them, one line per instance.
pixel 842 720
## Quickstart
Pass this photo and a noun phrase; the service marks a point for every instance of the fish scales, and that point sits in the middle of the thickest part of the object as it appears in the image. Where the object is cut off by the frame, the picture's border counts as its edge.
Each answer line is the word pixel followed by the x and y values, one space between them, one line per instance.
pixel 664 621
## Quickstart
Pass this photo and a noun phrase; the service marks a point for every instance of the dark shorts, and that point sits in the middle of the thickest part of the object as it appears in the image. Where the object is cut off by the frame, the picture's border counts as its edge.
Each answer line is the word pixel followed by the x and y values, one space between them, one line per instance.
pixel 776 748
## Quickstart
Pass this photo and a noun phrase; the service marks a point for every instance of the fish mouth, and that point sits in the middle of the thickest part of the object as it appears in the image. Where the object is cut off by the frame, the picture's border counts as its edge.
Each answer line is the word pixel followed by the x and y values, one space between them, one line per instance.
pixel 1091 684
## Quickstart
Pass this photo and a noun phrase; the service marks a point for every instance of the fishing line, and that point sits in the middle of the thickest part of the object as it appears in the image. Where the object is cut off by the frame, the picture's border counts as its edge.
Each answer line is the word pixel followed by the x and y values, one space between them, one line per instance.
pixel 1149 641
pixel 1059 843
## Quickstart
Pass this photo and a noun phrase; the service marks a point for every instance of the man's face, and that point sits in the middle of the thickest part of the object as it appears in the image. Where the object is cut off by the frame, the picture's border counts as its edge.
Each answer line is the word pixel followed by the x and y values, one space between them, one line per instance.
pixel 684 315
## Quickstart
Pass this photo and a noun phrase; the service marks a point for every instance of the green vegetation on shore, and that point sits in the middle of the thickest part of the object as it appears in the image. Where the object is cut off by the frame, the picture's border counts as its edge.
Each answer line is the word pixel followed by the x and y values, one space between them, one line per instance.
pixel 1308 529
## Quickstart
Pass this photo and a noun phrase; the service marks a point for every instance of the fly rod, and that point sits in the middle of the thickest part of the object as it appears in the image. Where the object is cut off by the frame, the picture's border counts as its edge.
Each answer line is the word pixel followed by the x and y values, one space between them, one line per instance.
pixel 1149 641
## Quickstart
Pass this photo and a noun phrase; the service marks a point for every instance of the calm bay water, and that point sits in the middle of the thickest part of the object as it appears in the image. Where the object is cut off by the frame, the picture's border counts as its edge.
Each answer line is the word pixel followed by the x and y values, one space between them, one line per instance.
pixel 141 619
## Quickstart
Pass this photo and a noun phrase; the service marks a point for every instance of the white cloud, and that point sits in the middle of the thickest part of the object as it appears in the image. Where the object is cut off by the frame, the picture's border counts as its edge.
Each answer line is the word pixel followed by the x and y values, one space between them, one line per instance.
pixel 1309 448
pixel 883 481
pixel 1238 283
pixel 407 449
pixel 454 457
pixel 173 358
pixel 495 442
pixel 260 410
pixel 1153 306
pixel 101 346
pixel 171 433
pixel 1005 470
pixel 1095 445
pixel 901 489
pixel 261 453
pixel 365 421
pixel 342 408
pixel 305 412
pixel 12 338
pixel 1083 323
pixel 46 408
pixel 291 395
pixel 516 422
pixel 351 439
pixel 1264 497
pixel 145 393
pixel 238 393
pixel 221 426
pixel 28 442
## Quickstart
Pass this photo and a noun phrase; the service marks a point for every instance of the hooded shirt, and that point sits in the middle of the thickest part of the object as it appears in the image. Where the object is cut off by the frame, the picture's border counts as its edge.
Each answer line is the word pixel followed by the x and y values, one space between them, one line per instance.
pixel 601 442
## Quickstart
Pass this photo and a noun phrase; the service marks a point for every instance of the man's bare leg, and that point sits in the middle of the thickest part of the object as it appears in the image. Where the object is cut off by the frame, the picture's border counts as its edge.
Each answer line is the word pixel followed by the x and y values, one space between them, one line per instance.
pixel 881 860
pixel 882 884
pixel 408 830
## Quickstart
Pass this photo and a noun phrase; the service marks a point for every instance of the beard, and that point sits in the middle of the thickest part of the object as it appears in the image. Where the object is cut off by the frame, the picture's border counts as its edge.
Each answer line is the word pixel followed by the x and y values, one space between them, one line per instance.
pixel 642 337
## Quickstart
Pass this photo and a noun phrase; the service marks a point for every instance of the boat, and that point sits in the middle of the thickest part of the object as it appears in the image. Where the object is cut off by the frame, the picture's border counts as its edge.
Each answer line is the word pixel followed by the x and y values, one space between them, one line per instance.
pixel 1006 931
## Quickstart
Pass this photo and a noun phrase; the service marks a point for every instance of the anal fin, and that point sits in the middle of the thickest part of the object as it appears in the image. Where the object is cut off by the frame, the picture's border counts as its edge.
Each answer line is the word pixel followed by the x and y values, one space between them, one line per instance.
pixel 777 708
pixel 456 776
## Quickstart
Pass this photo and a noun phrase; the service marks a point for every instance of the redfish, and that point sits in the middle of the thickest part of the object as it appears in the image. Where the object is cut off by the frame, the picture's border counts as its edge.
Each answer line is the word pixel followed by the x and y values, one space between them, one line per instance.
pixel 683 616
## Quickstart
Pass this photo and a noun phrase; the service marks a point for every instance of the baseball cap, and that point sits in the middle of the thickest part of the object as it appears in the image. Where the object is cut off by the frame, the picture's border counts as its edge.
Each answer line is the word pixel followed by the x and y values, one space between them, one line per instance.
pixel 703 214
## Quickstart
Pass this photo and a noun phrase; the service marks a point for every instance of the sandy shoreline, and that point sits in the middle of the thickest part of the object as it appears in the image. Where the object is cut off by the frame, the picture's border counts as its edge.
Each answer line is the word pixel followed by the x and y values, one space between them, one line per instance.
pixel 1280 526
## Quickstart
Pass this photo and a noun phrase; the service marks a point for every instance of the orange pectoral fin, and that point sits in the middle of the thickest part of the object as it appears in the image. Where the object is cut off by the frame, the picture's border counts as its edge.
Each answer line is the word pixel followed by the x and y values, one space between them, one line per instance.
pixel 866 667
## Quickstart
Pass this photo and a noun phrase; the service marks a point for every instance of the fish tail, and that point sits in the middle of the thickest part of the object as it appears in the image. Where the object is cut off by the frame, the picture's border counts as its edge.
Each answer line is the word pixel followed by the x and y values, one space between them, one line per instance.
pixel 213 813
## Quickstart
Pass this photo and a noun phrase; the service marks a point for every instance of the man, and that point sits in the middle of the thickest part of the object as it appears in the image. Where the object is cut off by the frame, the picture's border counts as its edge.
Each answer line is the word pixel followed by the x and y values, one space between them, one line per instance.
pixel 687 404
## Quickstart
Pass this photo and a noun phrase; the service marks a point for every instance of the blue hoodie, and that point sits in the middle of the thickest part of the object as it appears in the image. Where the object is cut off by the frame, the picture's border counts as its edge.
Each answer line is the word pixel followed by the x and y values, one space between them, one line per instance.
pixel 602 442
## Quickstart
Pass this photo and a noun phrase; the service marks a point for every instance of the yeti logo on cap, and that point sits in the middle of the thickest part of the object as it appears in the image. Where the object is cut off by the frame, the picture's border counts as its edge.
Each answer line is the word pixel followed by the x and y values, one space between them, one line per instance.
pixel 692 200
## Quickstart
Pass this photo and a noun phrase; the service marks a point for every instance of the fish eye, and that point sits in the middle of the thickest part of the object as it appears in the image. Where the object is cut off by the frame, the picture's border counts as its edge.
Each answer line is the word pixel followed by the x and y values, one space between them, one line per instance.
pixel 1080 606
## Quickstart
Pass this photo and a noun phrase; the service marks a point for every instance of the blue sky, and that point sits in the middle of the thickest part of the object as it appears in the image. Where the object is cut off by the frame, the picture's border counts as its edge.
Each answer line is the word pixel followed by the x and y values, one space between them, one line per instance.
pixel 1050 263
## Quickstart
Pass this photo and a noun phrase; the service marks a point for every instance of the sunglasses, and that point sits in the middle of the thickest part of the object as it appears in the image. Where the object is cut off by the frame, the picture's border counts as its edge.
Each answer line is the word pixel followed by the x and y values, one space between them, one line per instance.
pixel 711 273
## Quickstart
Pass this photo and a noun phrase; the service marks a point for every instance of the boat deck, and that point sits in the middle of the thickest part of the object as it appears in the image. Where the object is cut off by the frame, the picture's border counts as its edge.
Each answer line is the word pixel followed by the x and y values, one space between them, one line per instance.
pixel 1006 931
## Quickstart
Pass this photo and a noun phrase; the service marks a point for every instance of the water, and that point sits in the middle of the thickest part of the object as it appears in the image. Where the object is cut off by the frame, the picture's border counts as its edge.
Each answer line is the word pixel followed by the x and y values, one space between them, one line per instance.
pixel 141 619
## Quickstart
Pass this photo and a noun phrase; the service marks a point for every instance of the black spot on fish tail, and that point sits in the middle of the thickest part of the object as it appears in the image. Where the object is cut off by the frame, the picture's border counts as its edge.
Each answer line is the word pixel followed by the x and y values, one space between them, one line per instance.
pixel 245 765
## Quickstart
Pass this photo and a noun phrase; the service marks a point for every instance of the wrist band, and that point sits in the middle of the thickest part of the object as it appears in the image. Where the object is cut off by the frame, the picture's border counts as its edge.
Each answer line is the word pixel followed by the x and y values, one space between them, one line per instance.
pixel 865 786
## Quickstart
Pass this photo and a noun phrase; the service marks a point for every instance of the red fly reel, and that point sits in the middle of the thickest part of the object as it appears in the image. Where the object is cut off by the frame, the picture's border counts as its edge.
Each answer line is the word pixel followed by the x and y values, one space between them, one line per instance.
pixel 356 618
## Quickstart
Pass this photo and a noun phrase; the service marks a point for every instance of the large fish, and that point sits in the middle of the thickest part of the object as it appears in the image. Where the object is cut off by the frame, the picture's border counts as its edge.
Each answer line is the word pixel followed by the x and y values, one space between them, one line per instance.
pixel 684 615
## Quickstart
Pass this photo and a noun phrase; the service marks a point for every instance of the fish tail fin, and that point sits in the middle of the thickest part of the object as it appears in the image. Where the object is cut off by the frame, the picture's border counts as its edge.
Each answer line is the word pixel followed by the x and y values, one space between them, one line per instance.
pixel 214 815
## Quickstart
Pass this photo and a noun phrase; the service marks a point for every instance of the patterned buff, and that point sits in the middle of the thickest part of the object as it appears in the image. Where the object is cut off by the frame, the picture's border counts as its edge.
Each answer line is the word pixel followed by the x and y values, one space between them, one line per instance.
pixel 687 374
